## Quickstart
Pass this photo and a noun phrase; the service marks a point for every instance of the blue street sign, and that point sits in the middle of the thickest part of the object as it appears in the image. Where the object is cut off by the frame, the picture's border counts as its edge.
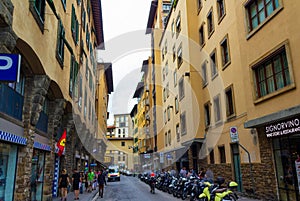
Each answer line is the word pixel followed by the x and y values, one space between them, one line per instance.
pixel 10 67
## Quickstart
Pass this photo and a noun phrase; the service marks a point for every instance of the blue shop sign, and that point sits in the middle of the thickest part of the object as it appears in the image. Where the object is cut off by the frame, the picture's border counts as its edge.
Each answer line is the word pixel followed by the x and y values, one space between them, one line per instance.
pixel 10 67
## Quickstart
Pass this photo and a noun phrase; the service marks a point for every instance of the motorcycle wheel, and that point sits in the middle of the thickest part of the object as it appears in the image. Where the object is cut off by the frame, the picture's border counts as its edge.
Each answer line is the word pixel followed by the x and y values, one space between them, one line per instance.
pixel 175 194
pixel 184 195
pixel 231 197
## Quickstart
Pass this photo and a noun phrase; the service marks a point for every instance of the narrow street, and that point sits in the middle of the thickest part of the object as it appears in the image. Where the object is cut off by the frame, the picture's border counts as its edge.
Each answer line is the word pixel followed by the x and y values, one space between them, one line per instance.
pixel 132 189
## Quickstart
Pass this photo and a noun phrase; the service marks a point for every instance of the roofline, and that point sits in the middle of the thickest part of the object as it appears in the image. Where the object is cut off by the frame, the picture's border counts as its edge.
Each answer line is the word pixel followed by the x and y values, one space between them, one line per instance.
pixel 98 21
pixel 152 13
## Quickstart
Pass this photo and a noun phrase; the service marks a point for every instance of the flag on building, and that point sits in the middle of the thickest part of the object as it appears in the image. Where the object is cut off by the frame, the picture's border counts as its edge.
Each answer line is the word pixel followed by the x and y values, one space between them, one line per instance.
pixel 61 143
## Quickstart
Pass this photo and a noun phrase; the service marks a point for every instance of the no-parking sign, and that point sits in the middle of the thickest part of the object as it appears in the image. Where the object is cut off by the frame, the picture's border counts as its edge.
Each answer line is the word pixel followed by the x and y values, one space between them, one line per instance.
pixel 234 136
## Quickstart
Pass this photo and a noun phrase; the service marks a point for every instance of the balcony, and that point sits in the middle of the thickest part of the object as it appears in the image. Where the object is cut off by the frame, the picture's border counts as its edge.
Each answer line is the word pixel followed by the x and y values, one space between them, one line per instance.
pixel 11 102
pixel 42 123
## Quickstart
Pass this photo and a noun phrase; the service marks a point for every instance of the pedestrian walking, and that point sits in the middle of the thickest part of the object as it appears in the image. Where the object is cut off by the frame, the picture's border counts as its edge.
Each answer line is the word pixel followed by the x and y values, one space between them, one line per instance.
pixel 90 179
pixel 101 181
pixel 82 182
pixel 76 179
pixel 63 184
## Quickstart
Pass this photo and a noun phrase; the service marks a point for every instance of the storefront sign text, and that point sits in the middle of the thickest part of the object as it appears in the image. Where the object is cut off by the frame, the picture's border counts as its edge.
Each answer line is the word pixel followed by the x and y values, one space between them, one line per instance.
pixel 290 126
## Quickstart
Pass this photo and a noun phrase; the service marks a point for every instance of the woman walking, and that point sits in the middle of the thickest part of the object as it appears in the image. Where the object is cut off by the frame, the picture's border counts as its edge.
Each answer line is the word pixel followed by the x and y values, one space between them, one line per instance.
pixel 63 184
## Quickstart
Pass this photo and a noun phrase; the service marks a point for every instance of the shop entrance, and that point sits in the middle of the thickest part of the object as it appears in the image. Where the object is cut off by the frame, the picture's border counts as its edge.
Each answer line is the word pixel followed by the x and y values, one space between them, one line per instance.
pixel 287 162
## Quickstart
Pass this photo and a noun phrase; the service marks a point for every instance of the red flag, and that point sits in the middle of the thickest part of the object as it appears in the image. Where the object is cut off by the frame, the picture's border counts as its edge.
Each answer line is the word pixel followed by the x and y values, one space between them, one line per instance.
pixel 61 143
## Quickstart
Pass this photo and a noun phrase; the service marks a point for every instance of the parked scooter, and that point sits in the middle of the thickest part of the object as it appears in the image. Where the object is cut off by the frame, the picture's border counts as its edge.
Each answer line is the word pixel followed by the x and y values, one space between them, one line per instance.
pixel 215 192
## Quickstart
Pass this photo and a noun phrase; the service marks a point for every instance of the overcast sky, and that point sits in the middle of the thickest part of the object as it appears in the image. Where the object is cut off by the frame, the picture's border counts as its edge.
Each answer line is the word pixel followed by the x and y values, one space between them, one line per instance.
pixel 126 46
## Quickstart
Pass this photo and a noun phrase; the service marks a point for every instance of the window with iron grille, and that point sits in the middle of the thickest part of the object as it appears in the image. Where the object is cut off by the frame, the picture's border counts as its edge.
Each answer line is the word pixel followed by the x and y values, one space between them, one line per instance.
pixel 272 73
pixel 259 10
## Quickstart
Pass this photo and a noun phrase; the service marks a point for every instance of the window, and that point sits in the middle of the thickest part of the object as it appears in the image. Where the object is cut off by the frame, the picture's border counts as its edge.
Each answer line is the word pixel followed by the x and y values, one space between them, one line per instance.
pixel 163 74
pixel 87 36
pixel 166 7
pixel 272 73
pixel 217 108
pixel 213 64
pixel 37 9
pixel 225 52
pixel 204 74
pixel 167 90
pixel 166 48
pixel 164 94
pixel 259 10
pixel 183 123
pixel 178 24
pixel 176 105
pixel 175 78
pixel 123 144
pixel 166 69
pixel 201 36
pixel 169 113
pixel 85 104
pixel 207 114
pixel 222 154
pixel 173 28
pixel 212 156
pixel 124 130
pixel 210 23
pixel 177 132
pixel 229 102
pixel 221 9
pixel 166 139
pixel 199 4
pixel 181 88
pixel 83 20
pixel 119 131
pixel 64 3
pixel 74 25
pixel 60 44
pixel 165 116
pixel 169 138
pixel 179 56
pixel 73 76
pixel 174 53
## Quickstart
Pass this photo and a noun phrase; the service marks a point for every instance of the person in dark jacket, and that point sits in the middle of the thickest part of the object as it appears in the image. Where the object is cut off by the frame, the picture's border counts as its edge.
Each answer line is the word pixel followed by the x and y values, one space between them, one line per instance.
pixel 101 181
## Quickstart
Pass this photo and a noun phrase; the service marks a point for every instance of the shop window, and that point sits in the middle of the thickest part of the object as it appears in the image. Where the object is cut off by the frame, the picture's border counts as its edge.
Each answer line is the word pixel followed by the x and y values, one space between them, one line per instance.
pixel 259 10
pixel 37 174
pixel 272 73
pixel 8 161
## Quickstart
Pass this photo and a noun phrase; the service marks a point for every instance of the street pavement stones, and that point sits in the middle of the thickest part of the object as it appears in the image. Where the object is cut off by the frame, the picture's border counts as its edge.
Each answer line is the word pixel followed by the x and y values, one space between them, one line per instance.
pixel 83 197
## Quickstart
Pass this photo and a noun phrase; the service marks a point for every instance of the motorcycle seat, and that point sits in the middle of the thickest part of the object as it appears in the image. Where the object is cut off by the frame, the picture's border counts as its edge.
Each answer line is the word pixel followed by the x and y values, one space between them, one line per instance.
pixel 220 190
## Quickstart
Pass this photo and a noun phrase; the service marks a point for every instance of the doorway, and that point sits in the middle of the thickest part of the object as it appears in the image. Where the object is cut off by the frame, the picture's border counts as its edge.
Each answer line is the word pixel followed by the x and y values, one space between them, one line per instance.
pixel 237 165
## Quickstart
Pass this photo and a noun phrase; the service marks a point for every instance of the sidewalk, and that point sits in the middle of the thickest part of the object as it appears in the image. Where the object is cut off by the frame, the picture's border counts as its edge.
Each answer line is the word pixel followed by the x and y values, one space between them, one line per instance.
pixel 84 197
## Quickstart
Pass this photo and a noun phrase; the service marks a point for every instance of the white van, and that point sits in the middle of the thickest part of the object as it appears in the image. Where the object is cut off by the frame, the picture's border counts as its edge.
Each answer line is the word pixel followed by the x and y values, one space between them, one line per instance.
pixel 113 173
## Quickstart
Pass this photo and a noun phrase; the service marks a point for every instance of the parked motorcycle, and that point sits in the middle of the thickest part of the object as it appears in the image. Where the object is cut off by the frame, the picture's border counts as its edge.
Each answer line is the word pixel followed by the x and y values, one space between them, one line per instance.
pixel 215 192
